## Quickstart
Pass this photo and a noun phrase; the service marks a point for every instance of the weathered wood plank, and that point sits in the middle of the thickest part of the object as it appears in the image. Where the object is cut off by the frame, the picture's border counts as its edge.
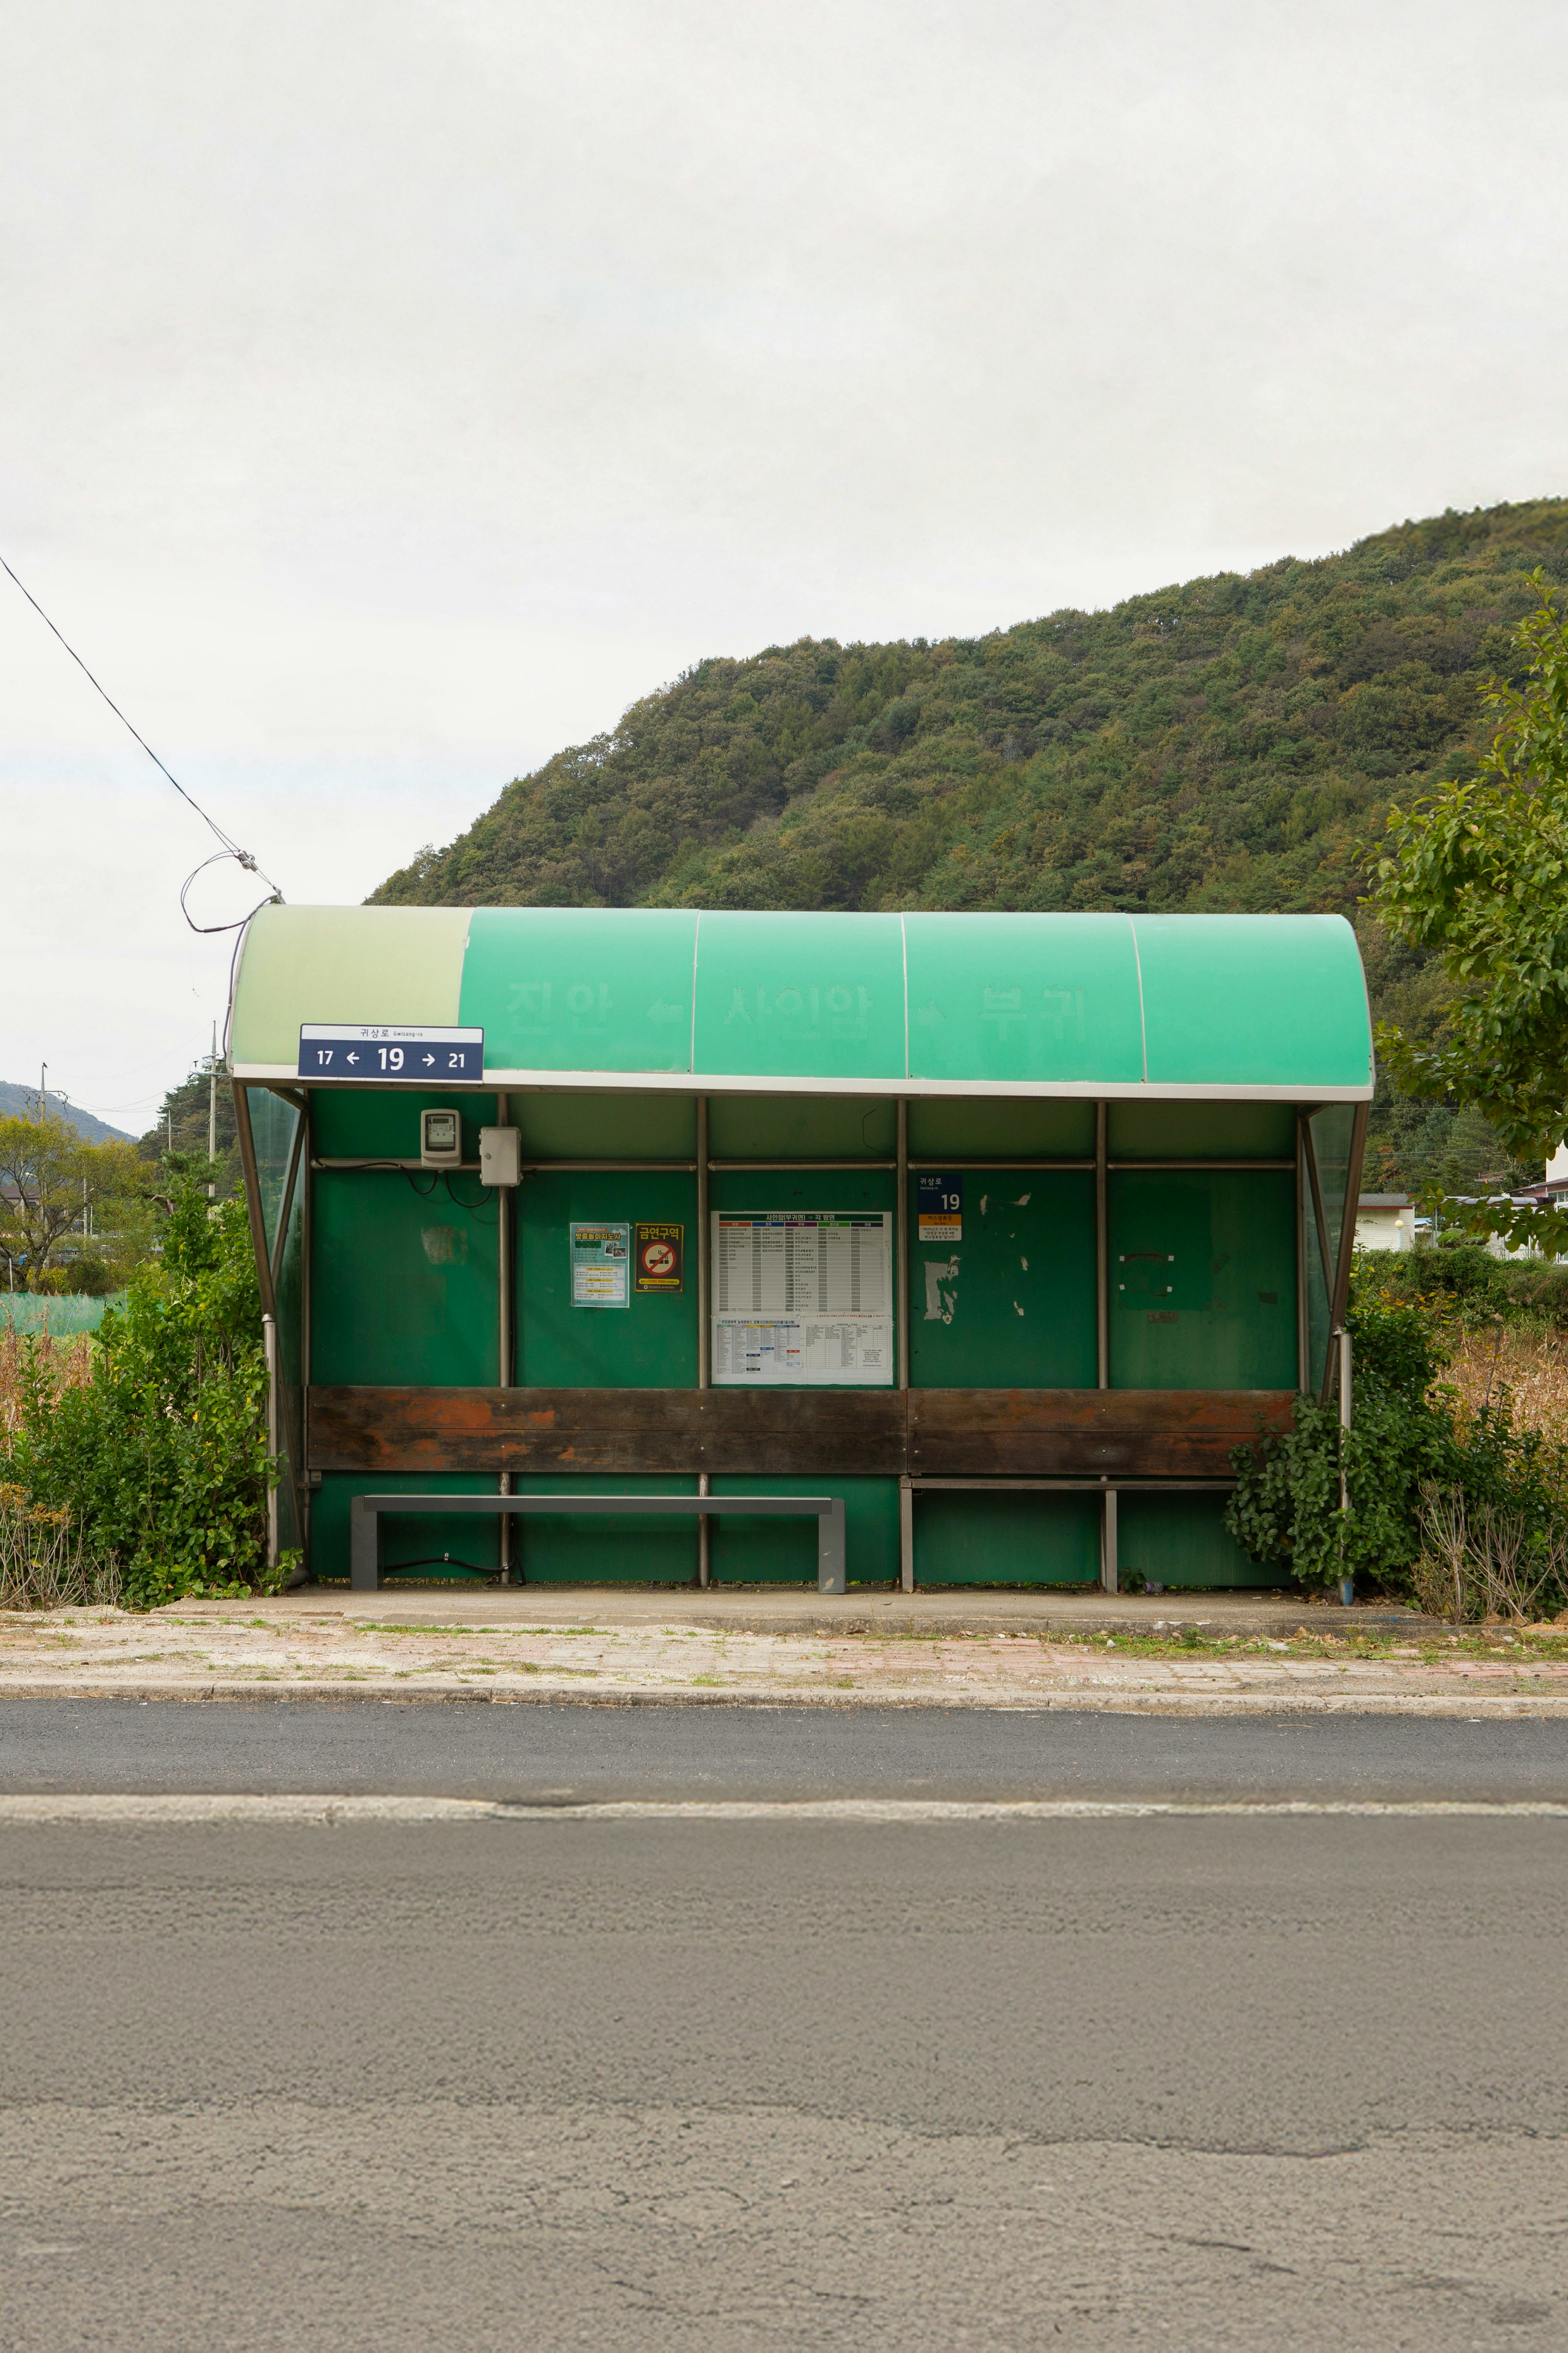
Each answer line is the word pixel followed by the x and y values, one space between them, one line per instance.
pixel 624 1430
pixel 1086 1433
pixel 1067 1433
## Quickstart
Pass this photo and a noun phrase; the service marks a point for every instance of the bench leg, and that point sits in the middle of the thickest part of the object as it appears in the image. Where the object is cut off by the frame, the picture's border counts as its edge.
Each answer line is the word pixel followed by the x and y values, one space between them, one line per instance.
pixel 830 1548
pixel 364 1547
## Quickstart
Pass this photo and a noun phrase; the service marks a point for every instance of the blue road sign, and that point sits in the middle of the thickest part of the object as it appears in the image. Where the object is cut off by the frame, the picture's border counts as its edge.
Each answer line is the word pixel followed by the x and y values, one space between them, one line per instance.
pixel 390 1053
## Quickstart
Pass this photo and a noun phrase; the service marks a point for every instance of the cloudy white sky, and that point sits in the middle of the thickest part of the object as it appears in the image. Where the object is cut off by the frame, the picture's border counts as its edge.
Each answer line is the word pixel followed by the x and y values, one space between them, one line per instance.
pixel 395 389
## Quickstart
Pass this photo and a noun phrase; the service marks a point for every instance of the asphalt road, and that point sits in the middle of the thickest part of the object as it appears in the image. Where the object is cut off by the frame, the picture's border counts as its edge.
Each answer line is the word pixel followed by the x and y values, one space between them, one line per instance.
pixel 536 1751
pixel 684 2087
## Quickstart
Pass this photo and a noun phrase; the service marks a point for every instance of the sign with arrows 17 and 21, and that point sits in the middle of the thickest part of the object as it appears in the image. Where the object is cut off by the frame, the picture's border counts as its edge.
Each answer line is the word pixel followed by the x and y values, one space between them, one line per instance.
pixel 390 1053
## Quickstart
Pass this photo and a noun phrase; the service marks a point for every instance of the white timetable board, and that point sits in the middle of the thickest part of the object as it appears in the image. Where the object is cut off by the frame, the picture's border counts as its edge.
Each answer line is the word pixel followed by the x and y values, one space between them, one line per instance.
pixel 802 1297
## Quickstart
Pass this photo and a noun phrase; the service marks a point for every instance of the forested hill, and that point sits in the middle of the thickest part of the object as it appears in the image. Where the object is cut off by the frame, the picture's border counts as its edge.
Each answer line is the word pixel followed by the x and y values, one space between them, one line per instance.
pixel 1221 745
pixel 1227 743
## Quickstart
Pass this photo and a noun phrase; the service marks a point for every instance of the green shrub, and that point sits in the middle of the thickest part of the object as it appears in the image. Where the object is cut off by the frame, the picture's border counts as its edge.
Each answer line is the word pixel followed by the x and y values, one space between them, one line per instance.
pixel 161 1459
pixel 1405 1438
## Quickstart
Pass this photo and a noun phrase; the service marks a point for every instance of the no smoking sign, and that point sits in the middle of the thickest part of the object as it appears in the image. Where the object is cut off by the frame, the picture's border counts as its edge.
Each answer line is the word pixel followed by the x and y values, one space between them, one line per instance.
pixel 659 1258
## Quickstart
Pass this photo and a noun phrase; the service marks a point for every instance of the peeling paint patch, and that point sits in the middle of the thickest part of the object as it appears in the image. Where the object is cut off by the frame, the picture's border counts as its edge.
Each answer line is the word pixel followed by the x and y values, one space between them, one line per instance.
pixel 940 1304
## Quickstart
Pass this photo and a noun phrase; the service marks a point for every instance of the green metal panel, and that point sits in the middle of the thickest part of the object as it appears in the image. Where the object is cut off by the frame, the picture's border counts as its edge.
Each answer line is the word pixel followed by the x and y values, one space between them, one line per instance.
pixel 383 1123
pixel 580 988
pixel 801 1127
pixel 965 1537
pixel 801 995
pixel 606 1127
pixel 649 1345
pixel 410 1540
pixel 1259 1000
pixel 783 1551
pixel 1022 998
pixel 1201 1131
pixel 403 1280
pixel 1182 1540
pixel 759 1190
pixel 1019 1312
pixel 1203 1280
pixel 342 963
pixel 1007 1127
pixel 597 1551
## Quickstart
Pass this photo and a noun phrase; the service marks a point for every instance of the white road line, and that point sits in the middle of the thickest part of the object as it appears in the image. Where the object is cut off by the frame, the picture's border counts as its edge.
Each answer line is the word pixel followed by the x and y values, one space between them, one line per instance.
pixel 328 1810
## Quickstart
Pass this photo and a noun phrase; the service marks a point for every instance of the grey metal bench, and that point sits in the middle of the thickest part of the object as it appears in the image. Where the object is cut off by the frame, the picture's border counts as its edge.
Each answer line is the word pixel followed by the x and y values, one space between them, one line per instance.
pixel 367 1510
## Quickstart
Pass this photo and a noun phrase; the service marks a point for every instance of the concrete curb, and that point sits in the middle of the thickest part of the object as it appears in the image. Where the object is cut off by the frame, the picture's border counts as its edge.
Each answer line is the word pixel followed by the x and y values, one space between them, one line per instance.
pixel 1099 1701
pixel 329 1812
pixel 885 1617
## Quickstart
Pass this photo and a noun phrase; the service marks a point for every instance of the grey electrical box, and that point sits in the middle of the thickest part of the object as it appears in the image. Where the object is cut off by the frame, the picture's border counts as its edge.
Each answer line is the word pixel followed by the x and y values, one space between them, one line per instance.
pixel 440 1139
pixel 501 1155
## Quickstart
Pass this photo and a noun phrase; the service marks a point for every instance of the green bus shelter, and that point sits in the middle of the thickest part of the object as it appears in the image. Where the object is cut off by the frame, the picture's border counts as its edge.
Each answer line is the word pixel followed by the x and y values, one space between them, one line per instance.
pixel 1002 1230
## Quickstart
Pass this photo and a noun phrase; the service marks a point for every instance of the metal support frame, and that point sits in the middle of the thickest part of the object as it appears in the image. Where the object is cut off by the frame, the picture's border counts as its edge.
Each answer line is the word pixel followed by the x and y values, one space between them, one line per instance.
pixel 704 1329
pixel 1101 1253
pixel 366 1511
pixel 1102 1322
pixel 307 1311
pixel 270 1355
pixel 266 1261
pixel 901 1310
pixel 506 1228
pixel 1065 1486
pixel 1347 1229
pixel 252 1193
pixel 1303 1304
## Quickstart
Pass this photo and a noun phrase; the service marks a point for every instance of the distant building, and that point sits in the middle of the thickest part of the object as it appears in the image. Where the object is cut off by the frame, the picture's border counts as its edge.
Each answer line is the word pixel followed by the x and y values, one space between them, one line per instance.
pixel 1386 1221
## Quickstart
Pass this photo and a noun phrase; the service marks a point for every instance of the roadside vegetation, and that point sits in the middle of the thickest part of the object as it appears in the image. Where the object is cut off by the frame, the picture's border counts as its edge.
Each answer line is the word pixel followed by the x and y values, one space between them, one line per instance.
pixel 135 1464
pixel 1456 1465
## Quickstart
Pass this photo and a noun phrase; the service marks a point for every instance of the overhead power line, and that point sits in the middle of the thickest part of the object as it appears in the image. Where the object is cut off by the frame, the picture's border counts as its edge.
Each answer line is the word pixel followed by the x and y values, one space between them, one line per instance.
pixel 231 847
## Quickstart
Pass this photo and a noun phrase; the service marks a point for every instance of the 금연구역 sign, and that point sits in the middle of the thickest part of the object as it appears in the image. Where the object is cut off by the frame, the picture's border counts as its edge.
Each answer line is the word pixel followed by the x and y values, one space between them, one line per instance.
pixel 660 1253
pixel 390 1053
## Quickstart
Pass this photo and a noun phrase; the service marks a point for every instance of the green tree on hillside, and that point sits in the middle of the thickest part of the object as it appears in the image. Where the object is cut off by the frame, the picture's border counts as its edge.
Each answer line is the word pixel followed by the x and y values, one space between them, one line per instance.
pixel 1226 743
pixel 1477 873
pixel 51 1184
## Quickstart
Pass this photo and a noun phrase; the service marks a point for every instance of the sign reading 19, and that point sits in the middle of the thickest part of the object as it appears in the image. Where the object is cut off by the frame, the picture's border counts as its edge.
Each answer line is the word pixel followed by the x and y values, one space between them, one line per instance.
pixel 431 1055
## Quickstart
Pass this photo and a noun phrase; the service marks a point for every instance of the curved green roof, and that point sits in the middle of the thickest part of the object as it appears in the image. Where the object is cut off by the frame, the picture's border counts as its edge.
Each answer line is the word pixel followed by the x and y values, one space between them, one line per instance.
pixel 1248 1006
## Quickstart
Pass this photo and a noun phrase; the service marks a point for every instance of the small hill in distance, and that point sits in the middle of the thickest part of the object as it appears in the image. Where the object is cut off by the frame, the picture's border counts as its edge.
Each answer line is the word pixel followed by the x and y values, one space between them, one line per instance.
pixel 22 1102
pixel 1230 743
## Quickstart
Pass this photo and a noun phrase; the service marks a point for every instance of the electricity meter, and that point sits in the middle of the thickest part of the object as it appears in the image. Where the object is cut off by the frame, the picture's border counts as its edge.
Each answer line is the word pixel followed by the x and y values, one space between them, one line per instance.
pixel 440 1139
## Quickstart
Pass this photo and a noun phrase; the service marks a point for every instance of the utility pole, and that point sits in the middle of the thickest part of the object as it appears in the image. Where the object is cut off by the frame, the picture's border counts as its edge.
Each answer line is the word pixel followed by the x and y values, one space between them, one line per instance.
pixel 211 1109
pixel 43 1092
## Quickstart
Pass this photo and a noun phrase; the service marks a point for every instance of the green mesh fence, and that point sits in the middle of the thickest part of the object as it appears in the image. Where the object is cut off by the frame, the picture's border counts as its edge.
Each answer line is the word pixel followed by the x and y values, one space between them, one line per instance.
pixel 21 1313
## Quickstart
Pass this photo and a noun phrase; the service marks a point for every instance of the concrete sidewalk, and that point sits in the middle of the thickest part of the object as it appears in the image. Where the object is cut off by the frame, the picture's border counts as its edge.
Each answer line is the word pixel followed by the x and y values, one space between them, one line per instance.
pixel 630 1649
